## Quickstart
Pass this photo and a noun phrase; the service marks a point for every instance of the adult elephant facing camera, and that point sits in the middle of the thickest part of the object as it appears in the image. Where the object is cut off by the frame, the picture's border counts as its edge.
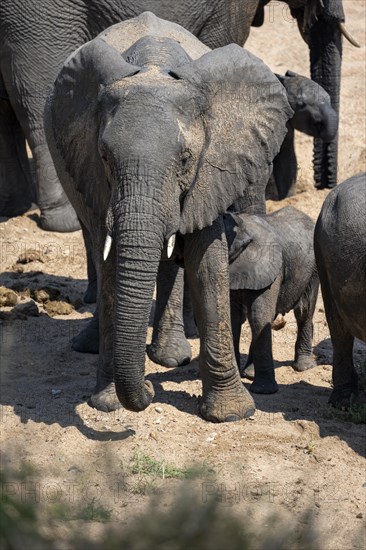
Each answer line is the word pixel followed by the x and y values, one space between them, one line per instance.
pixel 146 126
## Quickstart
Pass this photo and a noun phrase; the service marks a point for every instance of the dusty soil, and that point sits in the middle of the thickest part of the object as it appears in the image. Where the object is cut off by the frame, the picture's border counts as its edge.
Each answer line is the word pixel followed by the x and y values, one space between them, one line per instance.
pixel 294 456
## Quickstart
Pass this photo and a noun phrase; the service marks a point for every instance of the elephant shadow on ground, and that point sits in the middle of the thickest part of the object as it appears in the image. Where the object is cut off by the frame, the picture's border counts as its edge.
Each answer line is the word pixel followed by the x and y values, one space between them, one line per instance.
pixel 298 401
pixel 43 379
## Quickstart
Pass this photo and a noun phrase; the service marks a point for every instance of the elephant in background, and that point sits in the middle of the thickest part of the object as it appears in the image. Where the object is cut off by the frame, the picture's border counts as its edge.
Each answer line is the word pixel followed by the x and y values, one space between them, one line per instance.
pixel 313 115
pixel 145 125
pixel 321 24
pixel 340 252
pixel 36 37
pixel 272 270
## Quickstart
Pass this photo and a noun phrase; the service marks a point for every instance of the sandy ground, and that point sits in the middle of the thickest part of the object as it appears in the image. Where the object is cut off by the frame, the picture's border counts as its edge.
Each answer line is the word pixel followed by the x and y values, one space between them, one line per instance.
pixel 292 457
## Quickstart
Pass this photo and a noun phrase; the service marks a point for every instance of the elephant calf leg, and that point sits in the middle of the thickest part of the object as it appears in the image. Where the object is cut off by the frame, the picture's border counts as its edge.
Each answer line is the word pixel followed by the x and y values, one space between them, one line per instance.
pixel 261 314
pixel 237 319
pixel 224 398
pixel 264 376
pixel 304 313
pixel 169 346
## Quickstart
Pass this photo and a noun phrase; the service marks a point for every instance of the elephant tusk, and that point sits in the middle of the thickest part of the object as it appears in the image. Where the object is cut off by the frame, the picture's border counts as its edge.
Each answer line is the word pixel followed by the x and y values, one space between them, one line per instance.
pixel 170 246
pixel 107 246
pixel 348 36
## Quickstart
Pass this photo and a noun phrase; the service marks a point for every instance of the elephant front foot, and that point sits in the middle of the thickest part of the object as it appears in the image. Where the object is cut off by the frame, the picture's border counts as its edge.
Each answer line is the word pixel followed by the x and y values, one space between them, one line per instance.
pixel 105 400
pixel 264 382
pixel 90 296
pixel 87 341
pixel 248 372
pixel 176 353
pixel 59 218
pixel 343 397
pixel 303 363
pixel 219 406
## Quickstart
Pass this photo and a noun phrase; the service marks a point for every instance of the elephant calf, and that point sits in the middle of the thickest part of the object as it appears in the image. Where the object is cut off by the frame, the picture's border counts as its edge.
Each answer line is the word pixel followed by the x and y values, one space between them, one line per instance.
pixel 272 270
pixel 340 252
pixel 313 116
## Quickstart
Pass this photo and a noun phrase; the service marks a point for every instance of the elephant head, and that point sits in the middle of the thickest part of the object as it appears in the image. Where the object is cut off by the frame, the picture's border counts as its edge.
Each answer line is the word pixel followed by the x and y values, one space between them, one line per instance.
pixel 153 140
pixel 313 113
pixel 255 252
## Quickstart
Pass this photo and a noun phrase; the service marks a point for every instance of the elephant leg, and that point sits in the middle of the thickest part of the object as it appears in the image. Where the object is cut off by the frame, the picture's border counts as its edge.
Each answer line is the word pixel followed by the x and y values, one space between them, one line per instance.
pixel 237 319
pixel 28 101
pixel 90 296
pixel 285 166
pixel 345 379
pixel 169 346
pixel 104 397
pixel 15 177
pixel 190 326
pixel 248 371
pixel 304 312
pixel 57 214
pixel 261 313
pixel 224 397
pixel 87 341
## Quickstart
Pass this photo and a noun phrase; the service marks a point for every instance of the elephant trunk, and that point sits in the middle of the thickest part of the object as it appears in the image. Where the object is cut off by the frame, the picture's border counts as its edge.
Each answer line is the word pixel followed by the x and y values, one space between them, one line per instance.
pixel 140 237
pixel 329 125
pixel 325 44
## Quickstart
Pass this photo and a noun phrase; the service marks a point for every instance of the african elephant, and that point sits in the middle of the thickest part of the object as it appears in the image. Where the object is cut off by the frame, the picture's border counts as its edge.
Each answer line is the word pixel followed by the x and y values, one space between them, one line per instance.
pixel 321 24
pixel 313 115
pixel 36 37
pixel 272 270
pixel 340 252
pixel 145 125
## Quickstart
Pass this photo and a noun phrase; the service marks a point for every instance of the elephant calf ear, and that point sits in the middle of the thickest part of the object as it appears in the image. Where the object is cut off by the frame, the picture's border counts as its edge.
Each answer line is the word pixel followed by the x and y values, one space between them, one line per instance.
pixel 245 117
pixel 75 113
pixel 255 255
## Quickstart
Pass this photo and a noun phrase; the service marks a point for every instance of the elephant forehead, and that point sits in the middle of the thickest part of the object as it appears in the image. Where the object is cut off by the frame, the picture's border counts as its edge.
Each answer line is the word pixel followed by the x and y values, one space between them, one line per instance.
pixel 153 87
pixel 307 90
pixel 159 51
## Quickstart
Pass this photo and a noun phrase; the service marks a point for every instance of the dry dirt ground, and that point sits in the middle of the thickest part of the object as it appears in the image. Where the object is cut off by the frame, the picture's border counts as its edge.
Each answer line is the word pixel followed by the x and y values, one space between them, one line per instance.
pixel 293 456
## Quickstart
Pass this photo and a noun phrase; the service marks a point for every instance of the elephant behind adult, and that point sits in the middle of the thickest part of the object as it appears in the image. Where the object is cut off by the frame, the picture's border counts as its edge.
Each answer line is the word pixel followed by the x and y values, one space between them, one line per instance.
pixel 37 36
pixel 146 126
pixel 313 115
pixel 35 39
pixel 340 253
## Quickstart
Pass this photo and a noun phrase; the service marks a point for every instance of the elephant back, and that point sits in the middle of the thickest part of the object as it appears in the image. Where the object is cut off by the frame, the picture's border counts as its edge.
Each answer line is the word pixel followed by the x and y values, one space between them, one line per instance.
pixel 295 231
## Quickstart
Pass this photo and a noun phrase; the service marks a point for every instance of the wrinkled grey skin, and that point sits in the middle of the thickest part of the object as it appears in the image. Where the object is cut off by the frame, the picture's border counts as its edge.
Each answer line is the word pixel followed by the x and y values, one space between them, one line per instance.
pixel 272 271
pixel 340 252
pixel 313 115
pixel 318 22
pixel 37 36
pixel 138 127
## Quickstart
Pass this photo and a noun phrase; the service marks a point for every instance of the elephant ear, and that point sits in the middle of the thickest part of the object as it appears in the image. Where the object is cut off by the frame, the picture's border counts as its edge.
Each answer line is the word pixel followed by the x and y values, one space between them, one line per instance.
pixel 255 253
pixel 73 109
pixel 244 114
